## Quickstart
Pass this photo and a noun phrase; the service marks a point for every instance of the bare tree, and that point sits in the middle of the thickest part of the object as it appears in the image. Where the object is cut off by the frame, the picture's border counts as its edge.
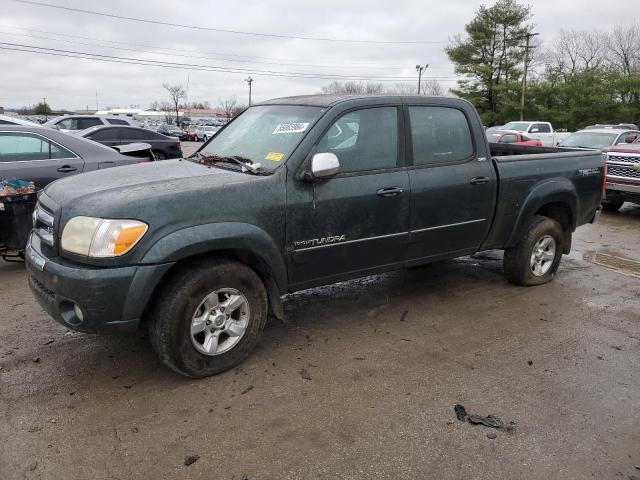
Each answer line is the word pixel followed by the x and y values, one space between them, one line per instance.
pixel 352 88
pixel 433 88
pixel 229 106
pixel 577 51
pixel 155 106
pixel 623 44
pixel 167 109
pixel 176 93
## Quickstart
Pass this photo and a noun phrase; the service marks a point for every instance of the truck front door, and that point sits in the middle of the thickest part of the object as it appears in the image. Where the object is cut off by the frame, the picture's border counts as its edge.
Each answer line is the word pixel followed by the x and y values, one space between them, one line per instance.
pixel 453 184
pixel 357 221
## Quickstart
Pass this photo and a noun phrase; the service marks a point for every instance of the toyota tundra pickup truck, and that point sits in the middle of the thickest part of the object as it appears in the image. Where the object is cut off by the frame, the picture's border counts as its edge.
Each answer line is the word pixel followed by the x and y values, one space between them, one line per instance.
pixel 295 193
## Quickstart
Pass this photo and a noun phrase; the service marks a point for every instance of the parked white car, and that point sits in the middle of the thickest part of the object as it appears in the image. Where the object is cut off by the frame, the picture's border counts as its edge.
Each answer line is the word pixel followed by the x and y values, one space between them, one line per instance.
pixel 543 131
pixel 76 123
pixel 205 132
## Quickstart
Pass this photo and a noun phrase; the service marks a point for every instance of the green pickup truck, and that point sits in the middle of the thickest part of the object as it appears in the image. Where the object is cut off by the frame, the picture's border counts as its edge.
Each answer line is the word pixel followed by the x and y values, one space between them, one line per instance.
pixel 295 193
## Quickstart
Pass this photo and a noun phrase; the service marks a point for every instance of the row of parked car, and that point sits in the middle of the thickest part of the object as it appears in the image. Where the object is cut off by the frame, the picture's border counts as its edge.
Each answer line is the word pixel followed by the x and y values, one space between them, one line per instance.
pixel 542 134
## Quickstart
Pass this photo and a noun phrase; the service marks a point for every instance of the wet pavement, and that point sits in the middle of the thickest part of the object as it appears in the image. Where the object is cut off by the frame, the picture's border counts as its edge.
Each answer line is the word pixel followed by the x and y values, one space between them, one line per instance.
pixel 359 383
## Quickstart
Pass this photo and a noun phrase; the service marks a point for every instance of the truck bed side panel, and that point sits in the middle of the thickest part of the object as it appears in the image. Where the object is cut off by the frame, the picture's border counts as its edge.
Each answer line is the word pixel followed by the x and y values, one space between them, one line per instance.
pixel 529 182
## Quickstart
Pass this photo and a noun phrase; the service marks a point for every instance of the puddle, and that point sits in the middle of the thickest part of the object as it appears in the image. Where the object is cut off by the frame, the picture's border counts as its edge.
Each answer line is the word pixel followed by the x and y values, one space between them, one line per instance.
pixel 615 262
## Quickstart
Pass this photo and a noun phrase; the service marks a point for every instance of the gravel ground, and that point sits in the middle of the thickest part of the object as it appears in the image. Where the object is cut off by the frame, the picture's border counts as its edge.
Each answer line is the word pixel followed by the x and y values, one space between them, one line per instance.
pixel 359 383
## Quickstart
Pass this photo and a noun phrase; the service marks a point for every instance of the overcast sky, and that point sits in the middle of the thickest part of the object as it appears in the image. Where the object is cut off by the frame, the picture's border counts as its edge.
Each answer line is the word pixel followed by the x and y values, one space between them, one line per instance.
pixel 72 83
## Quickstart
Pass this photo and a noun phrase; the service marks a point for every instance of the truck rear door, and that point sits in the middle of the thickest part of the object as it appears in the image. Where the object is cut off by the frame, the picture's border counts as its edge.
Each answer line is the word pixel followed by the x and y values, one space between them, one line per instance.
pixel 453 182
pixel 357 221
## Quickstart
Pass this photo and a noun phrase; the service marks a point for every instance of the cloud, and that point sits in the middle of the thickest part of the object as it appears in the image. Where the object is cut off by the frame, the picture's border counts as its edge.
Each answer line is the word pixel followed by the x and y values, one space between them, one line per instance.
pixel 72 83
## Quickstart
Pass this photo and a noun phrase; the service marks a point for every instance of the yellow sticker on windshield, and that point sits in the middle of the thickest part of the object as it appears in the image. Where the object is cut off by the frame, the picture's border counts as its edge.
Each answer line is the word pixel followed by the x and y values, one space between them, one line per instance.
pixel 274 156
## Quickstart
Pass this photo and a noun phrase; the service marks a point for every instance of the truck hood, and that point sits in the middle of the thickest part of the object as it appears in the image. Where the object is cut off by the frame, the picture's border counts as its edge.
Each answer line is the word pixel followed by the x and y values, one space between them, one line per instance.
pixel 141 180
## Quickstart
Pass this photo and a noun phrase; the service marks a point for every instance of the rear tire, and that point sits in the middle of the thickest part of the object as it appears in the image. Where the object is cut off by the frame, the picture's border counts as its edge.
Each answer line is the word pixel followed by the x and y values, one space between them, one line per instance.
pixel 612 205
pixel 536 257
pixel 183 301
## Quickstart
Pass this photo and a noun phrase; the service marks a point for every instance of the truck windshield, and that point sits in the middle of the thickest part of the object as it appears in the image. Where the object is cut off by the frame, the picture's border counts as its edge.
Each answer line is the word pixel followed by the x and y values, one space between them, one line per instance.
pixel 589 140
pixel 516 126
pixel 264 134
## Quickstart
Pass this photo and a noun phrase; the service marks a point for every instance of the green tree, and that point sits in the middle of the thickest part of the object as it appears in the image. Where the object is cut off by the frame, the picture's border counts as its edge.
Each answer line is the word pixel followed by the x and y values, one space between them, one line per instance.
pixel 490 56
pixel 42 108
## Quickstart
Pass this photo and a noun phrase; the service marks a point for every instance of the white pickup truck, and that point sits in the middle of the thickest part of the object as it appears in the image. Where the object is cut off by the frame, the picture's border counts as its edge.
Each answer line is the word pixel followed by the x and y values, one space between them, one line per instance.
pixel 543 131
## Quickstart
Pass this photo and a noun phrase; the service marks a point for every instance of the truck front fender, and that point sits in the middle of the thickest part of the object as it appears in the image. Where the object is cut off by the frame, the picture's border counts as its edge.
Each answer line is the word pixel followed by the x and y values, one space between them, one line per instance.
pixel 554 191
pixel 212 237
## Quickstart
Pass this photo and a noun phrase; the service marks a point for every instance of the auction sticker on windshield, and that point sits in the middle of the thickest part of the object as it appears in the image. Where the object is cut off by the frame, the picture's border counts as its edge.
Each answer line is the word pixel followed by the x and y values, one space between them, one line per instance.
pixel 274 156
pixel 291 128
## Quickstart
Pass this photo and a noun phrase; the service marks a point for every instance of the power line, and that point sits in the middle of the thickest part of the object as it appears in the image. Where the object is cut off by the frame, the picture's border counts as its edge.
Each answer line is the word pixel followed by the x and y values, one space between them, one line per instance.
pixel 161 52
pixel 235 32
pixel 175 65
pixel 223 54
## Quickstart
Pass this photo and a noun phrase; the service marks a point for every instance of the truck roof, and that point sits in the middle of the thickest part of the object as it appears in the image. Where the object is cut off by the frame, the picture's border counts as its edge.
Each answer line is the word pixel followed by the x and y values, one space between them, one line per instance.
pixel 322 100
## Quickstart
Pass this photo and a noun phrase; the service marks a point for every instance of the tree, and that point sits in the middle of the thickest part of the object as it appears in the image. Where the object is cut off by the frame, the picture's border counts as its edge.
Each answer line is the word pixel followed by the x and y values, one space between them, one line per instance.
pixel 489 56
pixel 176 93
pixel 429 87
pixel 229 106
pixel 42 109
pixel 352 88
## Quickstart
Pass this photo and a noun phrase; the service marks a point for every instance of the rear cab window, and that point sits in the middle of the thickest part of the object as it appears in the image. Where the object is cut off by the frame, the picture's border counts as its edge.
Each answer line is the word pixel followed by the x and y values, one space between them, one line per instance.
pixel 439 135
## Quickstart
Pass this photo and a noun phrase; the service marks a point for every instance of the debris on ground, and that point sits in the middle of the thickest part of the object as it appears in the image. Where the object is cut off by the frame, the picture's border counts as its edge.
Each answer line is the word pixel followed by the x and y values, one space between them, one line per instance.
pixel 36 360
pixel 48 342
pixel 488 421
pixel 191 459
pixel 304 374
pixel 529 362
pixel 492 436
pixel 403 317
pixel 33 466
pixel 247 390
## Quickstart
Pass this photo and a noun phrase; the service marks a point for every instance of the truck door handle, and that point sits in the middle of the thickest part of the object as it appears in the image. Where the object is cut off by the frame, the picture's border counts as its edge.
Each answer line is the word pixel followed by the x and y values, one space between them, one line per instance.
pixel 67 168
pixel 389 191
pixel 479 180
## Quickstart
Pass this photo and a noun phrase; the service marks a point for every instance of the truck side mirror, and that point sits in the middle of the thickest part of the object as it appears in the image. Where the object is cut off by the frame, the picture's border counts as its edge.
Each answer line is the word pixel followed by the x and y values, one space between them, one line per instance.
pixel 324 165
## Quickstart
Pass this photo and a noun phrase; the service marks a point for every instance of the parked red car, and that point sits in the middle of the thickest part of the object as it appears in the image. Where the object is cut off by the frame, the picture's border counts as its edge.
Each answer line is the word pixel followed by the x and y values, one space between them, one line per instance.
pixel 516 138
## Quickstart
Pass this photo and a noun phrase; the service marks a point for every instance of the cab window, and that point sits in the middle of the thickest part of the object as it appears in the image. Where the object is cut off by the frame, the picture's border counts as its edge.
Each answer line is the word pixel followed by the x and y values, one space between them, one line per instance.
pixel 365 139
pixel 508 139
pixel 439 135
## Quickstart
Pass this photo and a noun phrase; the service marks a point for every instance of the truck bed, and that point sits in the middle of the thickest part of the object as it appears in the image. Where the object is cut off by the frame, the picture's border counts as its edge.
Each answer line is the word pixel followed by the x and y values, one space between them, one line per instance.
pixel 527 174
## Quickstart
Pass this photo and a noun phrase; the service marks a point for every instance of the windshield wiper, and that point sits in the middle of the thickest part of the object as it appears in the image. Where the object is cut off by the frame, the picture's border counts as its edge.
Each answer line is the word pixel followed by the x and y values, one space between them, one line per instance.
pixel 245 163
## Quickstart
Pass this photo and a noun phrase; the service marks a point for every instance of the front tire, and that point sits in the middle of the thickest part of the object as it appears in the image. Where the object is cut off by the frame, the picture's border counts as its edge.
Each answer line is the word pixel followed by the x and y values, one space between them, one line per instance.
pixel 208 317
pixel 160 156
pixel 536 257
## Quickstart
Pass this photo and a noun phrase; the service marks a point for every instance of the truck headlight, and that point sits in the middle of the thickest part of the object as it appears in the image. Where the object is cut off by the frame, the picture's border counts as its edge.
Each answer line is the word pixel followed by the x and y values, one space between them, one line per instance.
pixel 98 237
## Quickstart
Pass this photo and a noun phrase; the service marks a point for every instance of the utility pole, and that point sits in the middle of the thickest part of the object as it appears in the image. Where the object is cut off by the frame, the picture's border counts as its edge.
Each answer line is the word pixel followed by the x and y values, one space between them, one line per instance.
pixel 420 69
pixel 524 75
pixel 249 80
pixel 44 102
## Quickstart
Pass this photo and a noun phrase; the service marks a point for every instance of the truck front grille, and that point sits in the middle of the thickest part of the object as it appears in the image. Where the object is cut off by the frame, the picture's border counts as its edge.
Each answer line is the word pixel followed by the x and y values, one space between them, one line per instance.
pixel 618 171
pixel 623 166
pixel 43 221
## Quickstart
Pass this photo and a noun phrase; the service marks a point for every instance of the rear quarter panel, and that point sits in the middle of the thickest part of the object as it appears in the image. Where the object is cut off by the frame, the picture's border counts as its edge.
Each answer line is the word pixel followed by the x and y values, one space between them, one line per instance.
pixel 528 182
